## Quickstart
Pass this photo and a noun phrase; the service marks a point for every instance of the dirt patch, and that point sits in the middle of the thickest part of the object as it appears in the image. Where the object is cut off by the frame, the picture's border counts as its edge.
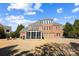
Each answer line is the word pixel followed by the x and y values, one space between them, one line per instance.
pixel 25 45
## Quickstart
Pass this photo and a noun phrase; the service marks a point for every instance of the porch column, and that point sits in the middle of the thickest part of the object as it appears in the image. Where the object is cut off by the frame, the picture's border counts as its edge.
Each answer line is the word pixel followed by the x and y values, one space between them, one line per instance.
pixel 41 35
pixel 36 35
pixel 30 35
pixel 25 35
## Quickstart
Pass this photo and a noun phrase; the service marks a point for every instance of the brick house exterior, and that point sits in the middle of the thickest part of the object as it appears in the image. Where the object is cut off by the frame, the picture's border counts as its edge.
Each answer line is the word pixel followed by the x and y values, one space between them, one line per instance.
pixel 42 29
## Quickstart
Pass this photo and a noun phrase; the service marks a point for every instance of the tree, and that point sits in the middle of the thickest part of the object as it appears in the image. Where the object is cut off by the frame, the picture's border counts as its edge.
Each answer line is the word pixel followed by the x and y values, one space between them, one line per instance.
pixel 76 28
pixel 2 32
pixel 11 34
pixel 19 28
pixel 68 30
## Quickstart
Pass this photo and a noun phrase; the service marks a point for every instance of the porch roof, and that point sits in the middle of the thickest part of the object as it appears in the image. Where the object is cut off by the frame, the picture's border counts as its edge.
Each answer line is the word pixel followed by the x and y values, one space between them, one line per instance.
pixel 24 30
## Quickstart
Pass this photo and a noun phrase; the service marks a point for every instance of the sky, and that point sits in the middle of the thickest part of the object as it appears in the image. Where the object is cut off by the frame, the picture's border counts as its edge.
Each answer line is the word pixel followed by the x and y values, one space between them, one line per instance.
pixel 12 14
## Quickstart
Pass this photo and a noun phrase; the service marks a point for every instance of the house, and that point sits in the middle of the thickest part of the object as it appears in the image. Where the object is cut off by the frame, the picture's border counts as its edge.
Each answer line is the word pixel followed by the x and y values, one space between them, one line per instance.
pixel 42 29
pixel 7 29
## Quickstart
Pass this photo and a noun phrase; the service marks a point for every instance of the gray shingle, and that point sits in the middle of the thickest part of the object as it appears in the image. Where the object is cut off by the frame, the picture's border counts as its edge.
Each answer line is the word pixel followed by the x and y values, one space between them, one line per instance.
pixel 24 30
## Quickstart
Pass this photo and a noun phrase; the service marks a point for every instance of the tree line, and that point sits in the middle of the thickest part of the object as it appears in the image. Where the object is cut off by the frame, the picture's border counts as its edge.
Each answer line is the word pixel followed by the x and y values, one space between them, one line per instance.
pixel 11 34
pixel 71 30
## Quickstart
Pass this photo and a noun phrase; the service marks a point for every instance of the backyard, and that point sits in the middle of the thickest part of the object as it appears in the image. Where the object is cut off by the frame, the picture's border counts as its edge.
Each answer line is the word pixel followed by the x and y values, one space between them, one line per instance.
pixel 14 47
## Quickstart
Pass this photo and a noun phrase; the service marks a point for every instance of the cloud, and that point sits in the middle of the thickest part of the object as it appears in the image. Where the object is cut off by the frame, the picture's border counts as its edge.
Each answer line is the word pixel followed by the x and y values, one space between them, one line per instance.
pixel 17 6
pixel 30 13
pixel 70 17
pixel 28 8
pixel 76 4
pixel 18 19
pixel 2 21
pixel 75 10
pixel 60 10
pixel 37 7
pixel 6 14
pixel 13 26
pixel 56 19
pixel 13 21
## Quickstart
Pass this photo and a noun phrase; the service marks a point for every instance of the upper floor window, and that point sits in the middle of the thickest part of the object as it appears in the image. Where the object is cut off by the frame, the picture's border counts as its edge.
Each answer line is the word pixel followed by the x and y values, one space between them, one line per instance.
pixel 56 27
pixel 58 34
pixel 49 28
pixel 48 22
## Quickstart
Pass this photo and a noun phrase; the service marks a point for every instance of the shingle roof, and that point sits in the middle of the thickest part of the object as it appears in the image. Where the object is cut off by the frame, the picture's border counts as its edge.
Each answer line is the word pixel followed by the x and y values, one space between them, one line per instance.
pixel 37 24
pixel 24 30
pixel 7 27
pixel 56 23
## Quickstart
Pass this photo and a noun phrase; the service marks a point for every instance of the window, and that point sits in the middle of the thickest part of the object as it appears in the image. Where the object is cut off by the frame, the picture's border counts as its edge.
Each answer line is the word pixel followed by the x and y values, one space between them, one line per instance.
pixel 27 35
pixel 56 27
pixel 52 22
pixel 59 34
pixel 44 28
pixel 47 21
pixel 49 28
pixel 38 35
pixel 33 35
pixel 40 22
pixel 7 30
pixel 43 22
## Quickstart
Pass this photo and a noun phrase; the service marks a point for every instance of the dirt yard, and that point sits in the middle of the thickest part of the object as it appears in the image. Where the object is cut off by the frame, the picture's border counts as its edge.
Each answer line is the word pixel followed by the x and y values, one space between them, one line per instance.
pixel 24 45
pixel 32 43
